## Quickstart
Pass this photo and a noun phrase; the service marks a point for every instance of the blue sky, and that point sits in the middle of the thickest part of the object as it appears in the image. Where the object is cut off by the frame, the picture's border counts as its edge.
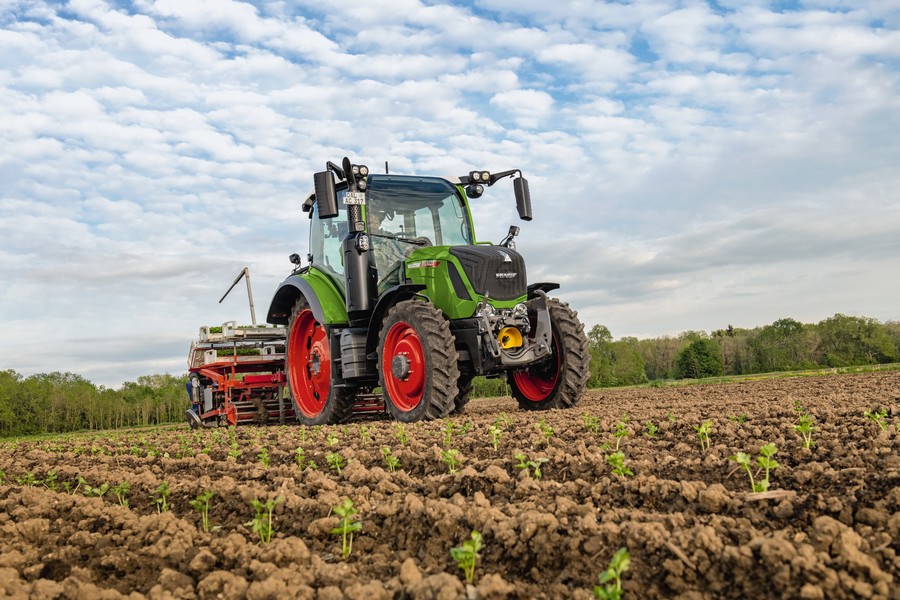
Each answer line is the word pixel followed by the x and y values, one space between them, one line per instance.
pixel 692 164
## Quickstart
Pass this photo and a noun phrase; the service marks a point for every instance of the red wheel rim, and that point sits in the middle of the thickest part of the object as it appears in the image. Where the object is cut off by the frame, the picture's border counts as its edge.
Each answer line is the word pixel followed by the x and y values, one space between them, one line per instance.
pixel 309 364
pixel 406 390
pixel 538 381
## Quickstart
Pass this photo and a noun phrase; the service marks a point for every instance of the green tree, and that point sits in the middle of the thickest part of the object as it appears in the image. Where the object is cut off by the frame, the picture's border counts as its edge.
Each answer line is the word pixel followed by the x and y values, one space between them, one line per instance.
pixel 627 362
pixel 701 358
pixel 845 341
pixel 600 346
pixel 780 346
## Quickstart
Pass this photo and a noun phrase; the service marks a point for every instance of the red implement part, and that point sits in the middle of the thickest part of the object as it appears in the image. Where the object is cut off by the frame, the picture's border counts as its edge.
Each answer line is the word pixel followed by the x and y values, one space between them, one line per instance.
pixel 247 390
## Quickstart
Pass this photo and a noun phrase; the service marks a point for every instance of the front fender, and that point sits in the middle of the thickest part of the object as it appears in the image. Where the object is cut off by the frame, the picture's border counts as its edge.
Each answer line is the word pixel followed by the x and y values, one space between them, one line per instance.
pixel 391 297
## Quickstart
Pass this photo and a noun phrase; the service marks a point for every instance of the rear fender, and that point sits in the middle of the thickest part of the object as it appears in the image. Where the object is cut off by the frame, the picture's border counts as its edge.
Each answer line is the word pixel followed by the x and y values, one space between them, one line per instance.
pixel 325 300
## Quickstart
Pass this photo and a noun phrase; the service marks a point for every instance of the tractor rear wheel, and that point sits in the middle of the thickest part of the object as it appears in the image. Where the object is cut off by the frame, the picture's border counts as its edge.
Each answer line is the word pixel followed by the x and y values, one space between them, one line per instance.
pixel 308 366
pixel 558 381
pixel 417 362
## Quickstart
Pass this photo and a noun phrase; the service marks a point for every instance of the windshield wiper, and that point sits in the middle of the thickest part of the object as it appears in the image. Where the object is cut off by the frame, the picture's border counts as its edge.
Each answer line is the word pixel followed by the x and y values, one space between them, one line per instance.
pixel 415 241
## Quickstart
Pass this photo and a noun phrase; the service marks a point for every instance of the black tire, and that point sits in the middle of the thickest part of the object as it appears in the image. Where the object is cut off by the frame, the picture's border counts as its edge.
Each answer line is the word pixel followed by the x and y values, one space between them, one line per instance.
pixel 308 367
pixel 560 380
pixel 417 362
pixel 463 392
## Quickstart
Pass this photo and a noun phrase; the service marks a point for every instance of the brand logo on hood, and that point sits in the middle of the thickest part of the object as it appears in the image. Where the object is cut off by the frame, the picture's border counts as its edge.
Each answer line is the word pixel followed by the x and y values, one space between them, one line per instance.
pixel 506 275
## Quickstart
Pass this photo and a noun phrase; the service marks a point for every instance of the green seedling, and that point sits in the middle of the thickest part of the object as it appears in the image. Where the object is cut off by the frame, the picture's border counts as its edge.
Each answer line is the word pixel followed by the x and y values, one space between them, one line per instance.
pixel 503 420
pixel 671 418
pixel 2 475
pixel 610 587
pixel 495 432
pixel 335 461
pixel 650 429
pixel 234 450
pixel 364 433
pixel 331 439
pixel 703 430
pixel 401 434
pixel 879 417
pixel 390 460
pixel 68 486
pixel 739 419
pixel 300 458
pixel 620 432
pixel 545 430
pixel 591 423
pixel 467 554
pixel 121 492
pixel 451 459
pixel 262 522
pixel 805 428
pixel 530 466
pixel 466 427
pixel 201 505
pixel 263 457
pixel 616 460
pixel 97 492
pixel 162 497
pixel 764 460
pixel 448 431
pixel 346 526
pixel 28 479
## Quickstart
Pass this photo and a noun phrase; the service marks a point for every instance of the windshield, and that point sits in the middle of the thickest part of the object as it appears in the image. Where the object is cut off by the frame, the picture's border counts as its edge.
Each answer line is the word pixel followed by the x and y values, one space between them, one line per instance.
pixel 417 207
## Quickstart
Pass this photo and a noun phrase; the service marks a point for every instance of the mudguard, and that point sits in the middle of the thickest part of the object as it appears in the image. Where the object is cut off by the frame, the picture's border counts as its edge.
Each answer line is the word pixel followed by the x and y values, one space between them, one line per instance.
pixel 325 301
pixel 393 295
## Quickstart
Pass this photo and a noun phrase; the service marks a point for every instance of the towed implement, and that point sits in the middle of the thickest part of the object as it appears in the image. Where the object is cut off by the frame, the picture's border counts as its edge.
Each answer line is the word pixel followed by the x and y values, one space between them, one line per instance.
pixel 399 306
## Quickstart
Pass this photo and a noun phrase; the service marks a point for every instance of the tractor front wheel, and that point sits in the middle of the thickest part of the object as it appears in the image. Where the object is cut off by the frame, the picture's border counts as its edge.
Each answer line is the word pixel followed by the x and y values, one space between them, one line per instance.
pixel 417 362
pixel 463 392
pixel 557 381
pixel 308 366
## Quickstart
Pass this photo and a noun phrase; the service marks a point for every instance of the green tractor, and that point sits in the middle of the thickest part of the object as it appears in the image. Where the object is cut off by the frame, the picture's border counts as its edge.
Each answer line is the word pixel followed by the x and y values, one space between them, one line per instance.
pixel 398 295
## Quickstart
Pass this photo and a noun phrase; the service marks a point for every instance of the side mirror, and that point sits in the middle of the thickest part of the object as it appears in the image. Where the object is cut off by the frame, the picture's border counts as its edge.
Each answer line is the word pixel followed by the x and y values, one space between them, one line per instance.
pixel 523 198
pixel 326 195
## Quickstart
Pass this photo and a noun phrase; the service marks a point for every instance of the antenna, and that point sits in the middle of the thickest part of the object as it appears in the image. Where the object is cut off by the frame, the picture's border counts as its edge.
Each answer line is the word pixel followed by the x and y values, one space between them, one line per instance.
pixel 245 272
pixel 386 172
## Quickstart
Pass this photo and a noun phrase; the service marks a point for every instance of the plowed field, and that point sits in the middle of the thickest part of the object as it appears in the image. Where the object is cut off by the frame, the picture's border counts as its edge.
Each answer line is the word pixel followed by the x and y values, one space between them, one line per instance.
pixel 829 526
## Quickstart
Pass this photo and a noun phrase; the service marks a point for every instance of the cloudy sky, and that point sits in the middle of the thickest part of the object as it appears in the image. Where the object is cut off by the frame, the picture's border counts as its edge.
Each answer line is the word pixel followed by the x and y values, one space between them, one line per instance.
pixel 692 164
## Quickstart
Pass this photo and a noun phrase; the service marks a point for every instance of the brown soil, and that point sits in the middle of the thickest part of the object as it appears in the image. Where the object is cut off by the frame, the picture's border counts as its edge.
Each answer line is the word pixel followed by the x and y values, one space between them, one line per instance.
pixel 828 528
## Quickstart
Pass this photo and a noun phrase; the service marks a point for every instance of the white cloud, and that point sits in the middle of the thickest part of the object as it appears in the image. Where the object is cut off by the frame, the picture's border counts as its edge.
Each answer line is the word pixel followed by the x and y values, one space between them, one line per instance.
pixel 529 108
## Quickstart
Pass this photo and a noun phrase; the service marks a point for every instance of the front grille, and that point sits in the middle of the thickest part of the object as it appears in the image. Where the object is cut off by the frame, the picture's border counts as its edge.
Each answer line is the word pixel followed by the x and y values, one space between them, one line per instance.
pixel 493 270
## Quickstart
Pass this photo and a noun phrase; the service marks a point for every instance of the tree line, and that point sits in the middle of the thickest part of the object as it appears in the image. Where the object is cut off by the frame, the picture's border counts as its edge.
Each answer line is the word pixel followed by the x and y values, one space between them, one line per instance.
pixel 785 345
pixel 60 402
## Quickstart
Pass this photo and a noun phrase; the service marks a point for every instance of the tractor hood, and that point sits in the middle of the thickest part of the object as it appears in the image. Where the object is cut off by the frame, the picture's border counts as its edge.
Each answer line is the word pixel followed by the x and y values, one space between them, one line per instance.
pixel 494 271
